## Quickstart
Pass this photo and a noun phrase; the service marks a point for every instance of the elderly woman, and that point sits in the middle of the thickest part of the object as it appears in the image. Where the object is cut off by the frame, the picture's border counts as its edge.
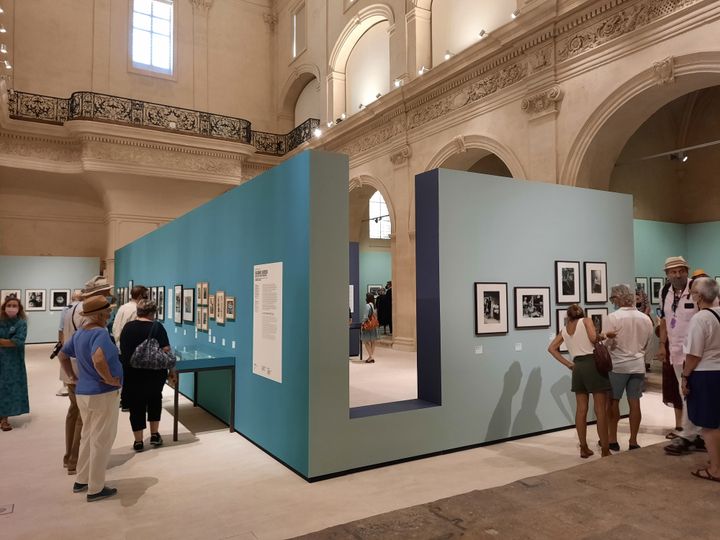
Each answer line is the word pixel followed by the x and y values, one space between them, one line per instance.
pixel 579 335
pixel 701 372
pixel 97 392
pixel 13 377
pixel 143 387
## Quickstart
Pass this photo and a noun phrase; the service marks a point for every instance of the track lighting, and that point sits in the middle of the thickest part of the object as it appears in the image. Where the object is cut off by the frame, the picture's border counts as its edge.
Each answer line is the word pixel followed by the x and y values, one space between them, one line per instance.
pixel 378 95
pixel 2 29
pixel 329 124
pixel 7 65
pixel 342 116
pixel 682 157
pixel 361 107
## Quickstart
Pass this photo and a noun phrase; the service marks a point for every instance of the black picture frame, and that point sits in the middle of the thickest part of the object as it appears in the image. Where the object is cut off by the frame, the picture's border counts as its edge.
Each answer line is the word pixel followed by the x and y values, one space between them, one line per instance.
pixel 161 303
pixel 560 318
pixel 188 305
pixel 656 285
pixel 595 274
pixel 642 283
pixel 491 308
pixel 567 282
pixel 532 307
pixel 178 304
pixel 597 316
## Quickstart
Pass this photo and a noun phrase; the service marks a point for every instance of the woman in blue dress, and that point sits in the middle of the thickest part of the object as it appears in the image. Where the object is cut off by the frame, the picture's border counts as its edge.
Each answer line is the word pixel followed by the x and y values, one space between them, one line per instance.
pixel 369 328
pixel 13 377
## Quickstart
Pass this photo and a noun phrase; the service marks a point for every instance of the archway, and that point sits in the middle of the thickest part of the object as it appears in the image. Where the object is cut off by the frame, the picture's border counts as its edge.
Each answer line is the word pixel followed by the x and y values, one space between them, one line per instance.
pixel 298 80
pixel 477 153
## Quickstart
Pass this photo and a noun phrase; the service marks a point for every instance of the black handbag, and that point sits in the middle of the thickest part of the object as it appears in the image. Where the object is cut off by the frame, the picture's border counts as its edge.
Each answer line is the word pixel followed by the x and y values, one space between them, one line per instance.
pixel 149 355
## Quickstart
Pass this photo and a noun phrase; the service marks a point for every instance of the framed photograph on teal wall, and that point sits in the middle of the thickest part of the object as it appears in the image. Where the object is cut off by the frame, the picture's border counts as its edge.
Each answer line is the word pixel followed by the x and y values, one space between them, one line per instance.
pixel 641 283
pixel 532 307
pixel 177 313
pixel 597 316
pixel 656 285
pixel 596 283
pixel 491 312
pixel 567 282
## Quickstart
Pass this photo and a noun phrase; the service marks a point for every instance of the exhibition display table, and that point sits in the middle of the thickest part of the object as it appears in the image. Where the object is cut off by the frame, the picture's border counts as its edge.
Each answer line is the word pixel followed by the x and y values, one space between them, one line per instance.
pixel 195 359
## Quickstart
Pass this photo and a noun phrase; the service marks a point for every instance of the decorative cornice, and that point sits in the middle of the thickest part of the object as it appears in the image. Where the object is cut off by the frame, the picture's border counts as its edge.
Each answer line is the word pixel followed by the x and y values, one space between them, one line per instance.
pixel 664 71
pixel 62 218
pixel 401 156
pixel 203 5
pixel 544 102
pixel 614 25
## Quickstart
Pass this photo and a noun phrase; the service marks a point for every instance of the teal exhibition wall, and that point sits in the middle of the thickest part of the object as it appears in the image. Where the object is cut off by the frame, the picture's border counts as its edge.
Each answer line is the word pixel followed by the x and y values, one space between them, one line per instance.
pixel 45 273
pixel 287 214
pixel 375 269
pixel 703 252
pixel 490 229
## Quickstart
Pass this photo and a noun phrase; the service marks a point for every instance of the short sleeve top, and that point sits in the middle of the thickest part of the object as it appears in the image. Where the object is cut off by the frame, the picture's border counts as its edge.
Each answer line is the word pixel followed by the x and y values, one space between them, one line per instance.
pixel 82 346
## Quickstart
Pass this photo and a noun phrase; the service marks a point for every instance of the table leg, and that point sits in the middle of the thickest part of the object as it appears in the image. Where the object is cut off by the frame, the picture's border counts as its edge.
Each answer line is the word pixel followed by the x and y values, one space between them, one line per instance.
pixel 232 400
pixel 195 388
pixel 175 408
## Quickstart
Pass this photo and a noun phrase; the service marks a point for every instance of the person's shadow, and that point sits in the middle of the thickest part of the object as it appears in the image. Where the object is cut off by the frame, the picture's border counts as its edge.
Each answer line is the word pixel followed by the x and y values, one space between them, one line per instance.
pixel 131 489
pixel 527 420
pixel 500 421
pixel 560 390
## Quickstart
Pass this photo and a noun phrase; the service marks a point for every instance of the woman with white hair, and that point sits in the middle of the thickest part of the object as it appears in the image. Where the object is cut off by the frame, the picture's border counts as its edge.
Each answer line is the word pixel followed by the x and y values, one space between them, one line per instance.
pixel 701 372
pixel 98 381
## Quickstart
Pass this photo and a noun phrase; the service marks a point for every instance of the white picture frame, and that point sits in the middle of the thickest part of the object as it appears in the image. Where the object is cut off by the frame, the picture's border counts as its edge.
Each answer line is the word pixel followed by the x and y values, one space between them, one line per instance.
pixel 532 307
pixel 59 299
pixel 4 293
pixel 491 309
pixel 598 316
pixel 656 285
pixel 35 300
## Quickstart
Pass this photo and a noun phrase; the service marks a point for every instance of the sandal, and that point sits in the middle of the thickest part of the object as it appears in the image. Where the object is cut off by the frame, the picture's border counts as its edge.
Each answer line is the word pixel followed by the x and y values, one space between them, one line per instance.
pixel 705 475
pixel 5 425
pixel 673 434
pixel 370 361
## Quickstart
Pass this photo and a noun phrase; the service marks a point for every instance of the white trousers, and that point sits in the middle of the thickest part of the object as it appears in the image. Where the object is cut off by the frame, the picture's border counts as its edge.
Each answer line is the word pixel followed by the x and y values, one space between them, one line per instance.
pixel 100 419
pixel 690 430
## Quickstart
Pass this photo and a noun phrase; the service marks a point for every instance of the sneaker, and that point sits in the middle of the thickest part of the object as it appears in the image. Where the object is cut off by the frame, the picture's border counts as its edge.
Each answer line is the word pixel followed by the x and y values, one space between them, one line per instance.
pixel 104 493
pixel 678 447
pixel 78 487
pixel 138 446
pixel 156 439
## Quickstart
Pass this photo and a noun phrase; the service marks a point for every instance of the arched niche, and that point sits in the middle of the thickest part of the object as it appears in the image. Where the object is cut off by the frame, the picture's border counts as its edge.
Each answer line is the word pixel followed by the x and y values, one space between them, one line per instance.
pixel 600 140
pixel 296 82
pixel 365 19
pixel 464 153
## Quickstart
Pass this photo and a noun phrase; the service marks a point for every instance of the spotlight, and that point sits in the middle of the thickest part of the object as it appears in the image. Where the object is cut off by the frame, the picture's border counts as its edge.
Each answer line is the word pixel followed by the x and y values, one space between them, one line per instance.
pixel 342 116
pixel 317 132
pixel 329 124
pixel 3 48
pixel 398 83
pixel 2 10
pixel 515 14
pixel 482 33
pixel 682 157
pixel 361 107
pixel 7 65
pixel 338 120
pixel 448 55
pixel 2 29
pixel 378 95
pixel 422 70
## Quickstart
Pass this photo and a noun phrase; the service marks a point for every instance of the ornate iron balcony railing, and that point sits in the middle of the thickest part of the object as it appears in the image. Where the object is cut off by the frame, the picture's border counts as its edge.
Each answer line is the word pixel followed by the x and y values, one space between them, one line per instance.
pixel 134 112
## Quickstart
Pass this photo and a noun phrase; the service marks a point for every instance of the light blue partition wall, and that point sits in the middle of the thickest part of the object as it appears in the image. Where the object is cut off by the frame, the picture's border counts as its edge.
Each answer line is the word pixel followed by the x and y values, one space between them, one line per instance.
pixel 654 242
pixel 290 214
pixel 490 229
pixel 703 240
pixel 46 273
pixel 375 269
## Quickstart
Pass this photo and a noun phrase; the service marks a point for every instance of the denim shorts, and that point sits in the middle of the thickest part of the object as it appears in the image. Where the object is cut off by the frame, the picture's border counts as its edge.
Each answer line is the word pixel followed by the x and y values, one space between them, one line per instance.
pixel 634 383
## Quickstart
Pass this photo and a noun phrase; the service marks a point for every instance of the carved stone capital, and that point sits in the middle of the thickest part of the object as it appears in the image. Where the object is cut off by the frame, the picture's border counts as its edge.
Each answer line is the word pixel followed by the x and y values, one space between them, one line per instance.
pixel 203 5
pixel 401 156
pixel 271 20
pixel 543 102
pixel 664 71
pixel 460 144
pixel 355 183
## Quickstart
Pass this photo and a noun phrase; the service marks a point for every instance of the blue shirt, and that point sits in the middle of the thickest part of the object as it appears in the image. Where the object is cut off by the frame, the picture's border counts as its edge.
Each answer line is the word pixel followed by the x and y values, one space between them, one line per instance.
pixel 82 345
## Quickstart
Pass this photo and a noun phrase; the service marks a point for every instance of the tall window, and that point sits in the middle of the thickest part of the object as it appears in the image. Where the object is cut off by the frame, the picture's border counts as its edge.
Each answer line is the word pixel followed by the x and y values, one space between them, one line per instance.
pixel 379 217
pixel 299 30
pixel 152 35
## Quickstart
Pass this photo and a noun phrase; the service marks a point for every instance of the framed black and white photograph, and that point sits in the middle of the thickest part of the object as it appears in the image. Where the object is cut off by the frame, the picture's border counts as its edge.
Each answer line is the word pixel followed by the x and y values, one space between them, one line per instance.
pixel 597 316
pixel 220 307
pixel 161 303
pixel 205 293
pixel 211 306
pixel 491 313
pixel 188 305
pixel 198 318
pixel 59 299
pixel 595 283
pixel 561 318
pixel 532 307
pixel 204 316
pixel 153 294
pixel 641 284
pixel 35 300
pixel 656 285
pixel 178 298
pixel 374 289
pixel 130 285
pixel 229 308
pixel 567 282
pixel 4 293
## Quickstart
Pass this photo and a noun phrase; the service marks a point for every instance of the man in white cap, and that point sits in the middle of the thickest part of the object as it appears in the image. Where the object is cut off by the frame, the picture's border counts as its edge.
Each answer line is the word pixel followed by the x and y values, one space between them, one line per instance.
pixel 676 309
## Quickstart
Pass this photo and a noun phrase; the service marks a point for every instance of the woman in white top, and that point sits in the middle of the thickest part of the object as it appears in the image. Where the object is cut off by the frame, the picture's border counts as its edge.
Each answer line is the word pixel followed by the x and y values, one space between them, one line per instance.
pixel 579 335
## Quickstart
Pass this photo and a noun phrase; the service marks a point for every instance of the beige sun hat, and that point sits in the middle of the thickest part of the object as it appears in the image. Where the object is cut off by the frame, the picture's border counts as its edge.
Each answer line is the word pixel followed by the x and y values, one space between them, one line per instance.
pixel 676 262
pixel 98 284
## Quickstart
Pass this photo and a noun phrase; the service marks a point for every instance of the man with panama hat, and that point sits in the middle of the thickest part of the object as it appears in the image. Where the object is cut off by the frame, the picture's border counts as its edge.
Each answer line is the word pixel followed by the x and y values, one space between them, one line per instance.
pixel 676 309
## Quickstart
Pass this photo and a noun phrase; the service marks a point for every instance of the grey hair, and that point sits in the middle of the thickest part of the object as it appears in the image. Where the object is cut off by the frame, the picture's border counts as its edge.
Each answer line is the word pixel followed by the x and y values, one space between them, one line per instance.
pixel 146 308
pixel 707 288
pixel 623 294
pixel 98 316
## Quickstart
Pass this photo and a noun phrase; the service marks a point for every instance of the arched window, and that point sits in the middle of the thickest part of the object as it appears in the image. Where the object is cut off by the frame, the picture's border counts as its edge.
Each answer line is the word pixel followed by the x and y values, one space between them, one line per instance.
pixel 153 36
pixel 379 217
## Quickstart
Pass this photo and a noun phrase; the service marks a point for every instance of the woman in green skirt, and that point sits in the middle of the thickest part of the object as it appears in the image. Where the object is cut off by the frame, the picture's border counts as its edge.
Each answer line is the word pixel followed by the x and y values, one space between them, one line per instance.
pixel 13 377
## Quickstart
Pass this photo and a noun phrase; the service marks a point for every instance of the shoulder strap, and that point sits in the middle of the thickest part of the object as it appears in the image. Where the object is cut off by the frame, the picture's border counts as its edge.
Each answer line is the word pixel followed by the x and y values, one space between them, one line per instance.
pixel 72 317
pixel 663 296
pixel 713 312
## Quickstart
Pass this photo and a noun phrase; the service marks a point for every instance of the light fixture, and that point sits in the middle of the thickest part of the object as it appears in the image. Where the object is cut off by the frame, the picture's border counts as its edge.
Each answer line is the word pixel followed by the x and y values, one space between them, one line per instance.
pixel 7 65
pixel 3 48
pixel 342 116
pixel 2 29
pixel 482 33
pixel 682 157
pixel 449 55
pixel 361 107
pixel 422 70
pixel 329 124
pixel 317 132
pixel 378 95
pixel 515 14
pixel 2 10
pixel 398 83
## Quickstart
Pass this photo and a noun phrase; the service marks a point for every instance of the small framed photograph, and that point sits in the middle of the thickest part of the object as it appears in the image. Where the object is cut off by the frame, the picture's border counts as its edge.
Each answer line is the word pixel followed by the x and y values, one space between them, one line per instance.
pixel 153 294
pixel 220 307
pixel 597 316
pixel 561 318
pixel 130 285
pixel 211 306
pixel 198 318
pixel 656 285
pixel 35 300
pixel 188 305
pixel 59 299
pixel 596 283
pixel 229 308
pixel 178 311
pixel 204 316
pixel 161 303
pixel 205 293
pixel 567 282
pixel 374 289
pixel 4 293
pixel 198 297
pixel 491 313
pixel 532 307
pixel 641 284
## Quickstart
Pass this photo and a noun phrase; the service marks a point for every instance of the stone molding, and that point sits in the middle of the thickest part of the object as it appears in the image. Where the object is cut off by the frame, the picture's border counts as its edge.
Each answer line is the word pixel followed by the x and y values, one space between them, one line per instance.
pixel 664 71
pixel 542 103
pixel 62 218
pixel 203 5
pixel 271 20
pixel 401 156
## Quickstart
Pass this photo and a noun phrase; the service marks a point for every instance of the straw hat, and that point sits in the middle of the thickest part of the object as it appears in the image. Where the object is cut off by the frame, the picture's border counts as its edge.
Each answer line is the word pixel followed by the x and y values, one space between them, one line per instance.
pixel 96 285
pixel 676 262
pixel 699 272
pixel 94 304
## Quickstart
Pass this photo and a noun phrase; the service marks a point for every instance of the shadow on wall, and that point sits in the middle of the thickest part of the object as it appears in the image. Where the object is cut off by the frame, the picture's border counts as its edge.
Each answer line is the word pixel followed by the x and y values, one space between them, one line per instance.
pixel 527 420
pixel 500 421
pixel 560 390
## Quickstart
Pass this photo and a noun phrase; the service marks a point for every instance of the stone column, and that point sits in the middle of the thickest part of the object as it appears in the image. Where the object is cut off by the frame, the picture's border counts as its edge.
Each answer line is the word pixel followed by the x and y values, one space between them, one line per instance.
pixel 335 95
pixel 419 44
pixel 200 53
pixel 100 76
